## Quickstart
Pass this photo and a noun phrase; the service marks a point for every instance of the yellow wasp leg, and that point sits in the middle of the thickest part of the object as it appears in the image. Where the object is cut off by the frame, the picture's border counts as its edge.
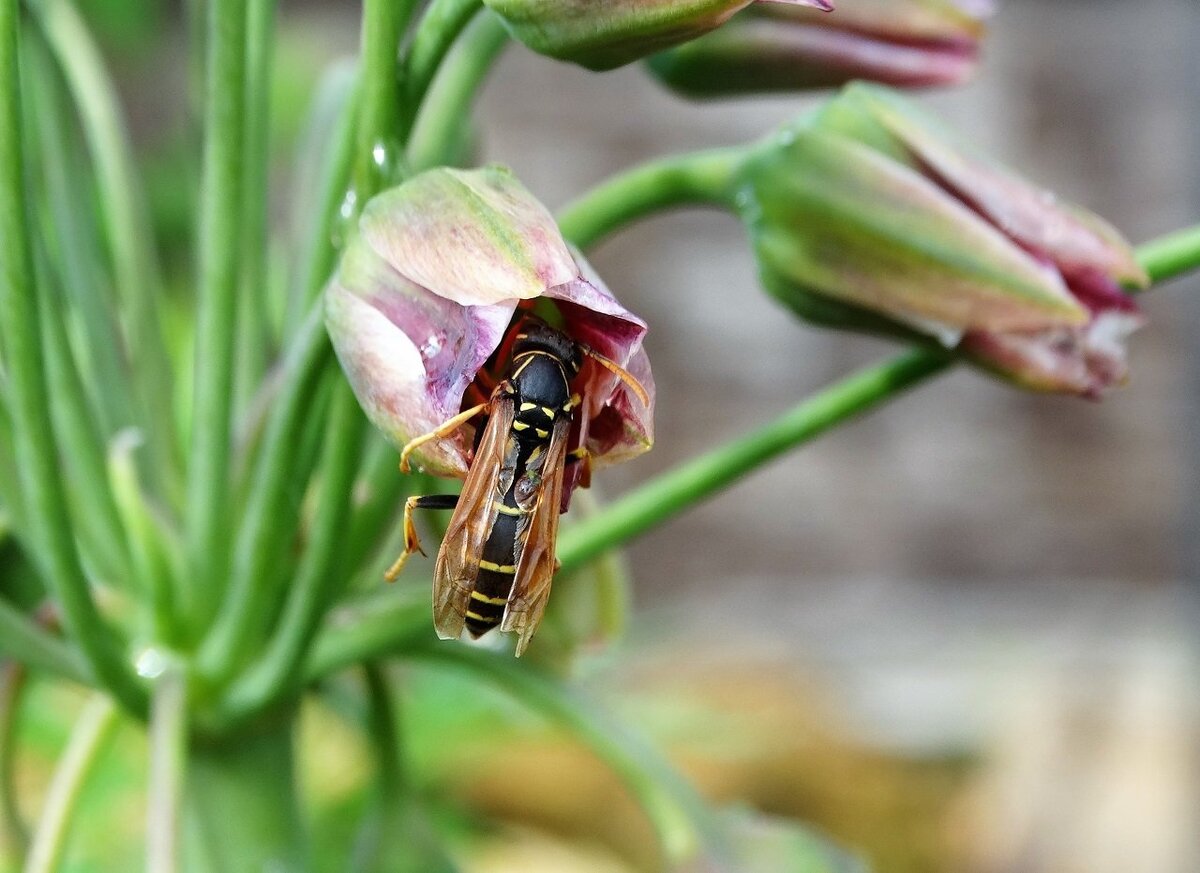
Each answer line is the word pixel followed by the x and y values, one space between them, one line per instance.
pixel 442 430
pixel 412 542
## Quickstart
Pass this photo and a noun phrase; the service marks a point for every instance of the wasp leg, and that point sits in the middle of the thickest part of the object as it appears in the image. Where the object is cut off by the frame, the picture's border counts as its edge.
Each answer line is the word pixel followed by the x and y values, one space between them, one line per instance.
pixel 442 430
pixel 412 543
pixel 581 456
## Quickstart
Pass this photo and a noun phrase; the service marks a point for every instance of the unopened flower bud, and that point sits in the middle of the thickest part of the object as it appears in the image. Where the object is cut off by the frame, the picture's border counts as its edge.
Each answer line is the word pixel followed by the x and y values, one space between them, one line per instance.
pixel 868 215
pixel 602 34
pixel 771 47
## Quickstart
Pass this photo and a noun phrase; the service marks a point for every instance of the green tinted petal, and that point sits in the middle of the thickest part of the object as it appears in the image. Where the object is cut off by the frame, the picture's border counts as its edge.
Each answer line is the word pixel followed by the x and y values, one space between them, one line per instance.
pixel 833 216
pixel 472 236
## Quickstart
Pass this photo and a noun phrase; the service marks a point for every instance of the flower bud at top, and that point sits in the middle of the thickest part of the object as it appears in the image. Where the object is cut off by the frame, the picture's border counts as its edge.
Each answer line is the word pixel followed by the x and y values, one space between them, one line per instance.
pixel 869 215
pixel 602 34
pixel 426 291
pixel 771 47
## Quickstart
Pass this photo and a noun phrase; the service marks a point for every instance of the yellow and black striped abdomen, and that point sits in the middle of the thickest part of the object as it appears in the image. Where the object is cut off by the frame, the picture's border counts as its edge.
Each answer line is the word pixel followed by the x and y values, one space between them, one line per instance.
pixel 497 569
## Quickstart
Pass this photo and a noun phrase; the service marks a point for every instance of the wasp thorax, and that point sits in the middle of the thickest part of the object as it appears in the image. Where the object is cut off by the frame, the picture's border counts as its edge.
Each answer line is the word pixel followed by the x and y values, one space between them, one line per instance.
pixel 536 336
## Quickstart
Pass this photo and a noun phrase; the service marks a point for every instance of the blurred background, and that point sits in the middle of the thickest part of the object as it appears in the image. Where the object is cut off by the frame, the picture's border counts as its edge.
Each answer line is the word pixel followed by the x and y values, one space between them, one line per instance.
pixel 956 635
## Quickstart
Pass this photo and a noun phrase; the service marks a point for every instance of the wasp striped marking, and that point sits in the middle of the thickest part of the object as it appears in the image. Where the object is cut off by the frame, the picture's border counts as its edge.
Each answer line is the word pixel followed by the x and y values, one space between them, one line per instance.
pixel 494 601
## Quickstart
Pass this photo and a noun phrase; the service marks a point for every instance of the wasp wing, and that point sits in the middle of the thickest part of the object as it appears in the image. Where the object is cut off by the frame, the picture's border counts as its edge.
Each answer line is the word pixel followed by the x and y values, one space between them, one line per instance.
pixel 457 564
pixel 536 562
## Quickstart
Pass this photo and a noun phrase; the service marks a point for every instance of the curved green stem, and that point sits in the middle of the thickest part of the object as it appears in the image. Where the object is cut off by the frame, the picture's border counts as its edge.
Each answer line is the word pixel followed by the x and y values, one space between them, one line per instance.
pixel 384 730
pixel 440 26
pixel 73 237
pixel 680 818
pixel 699 478
pixel 270 518
pixel 153 555
pixel 96 724
pixel 333 206
pixel 255 343
pixel 278 672
pixel 395 835
pixel 36 446
pixel 370 628
pixel 448 102
pixel 168 763
pixel 22 640
pixel 385 492
pixel 244 807
pixel 102 535
pixel 219 254
pixel 379 133
pixel 135 264
pixel 1171 255
pixel 691 179
pixel 13 831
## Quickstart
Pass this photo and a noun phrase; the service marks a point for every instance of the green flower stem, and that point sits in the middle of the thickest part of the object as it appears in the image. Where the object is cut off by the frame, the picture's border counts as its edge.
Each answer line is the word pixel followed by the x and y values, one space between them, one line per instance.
pixel 370 628
pixel 386 491
pixel 13 502
pixel 95 727
pixel 102 536
pixel 168 736
pixel 13 832
pixel 255 343
pixel 151 550
pixel 72 237
pixel 379 135
pixel 135 265
pixel 383 726
pixel 326 154
pixel 73 414
pixel 36 446
pixel 278 671
pixel 1171 255
pixel 395 835
pixel 243 803
pixel 219 256
pixel 337 212
pixel 270 519
pixel 440 121
pixel 23 640
pixel 680 818
pixel 692 179
pixel 440 26
pixel 695 480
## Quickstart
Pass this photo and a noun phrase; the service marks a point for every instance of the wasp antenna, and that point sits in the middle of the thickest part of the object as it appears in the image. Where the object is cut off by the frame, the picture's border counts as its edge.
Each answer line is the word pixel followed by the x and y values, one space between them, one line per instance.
pixel 624 375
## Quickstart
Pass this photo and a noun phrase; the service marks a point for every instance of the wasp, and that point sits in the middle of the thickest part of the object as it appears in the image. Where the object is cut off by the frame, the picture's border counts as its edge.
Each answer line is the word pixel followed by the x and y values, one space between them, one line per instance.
pixel 496 562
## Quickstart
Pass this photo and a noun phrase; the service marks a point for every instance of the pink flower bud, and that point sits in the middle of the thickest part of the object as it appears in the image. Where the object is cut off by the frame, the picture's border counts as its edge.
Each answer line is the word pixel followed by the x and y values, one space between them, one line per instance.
pixel 907 43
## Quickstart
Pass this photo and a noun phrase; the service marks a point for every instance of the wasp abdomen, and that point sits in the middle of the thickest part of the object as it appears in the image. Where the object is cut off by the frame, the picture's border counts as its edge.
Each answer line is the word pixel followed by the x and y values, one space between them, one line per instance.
pixel 497 569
